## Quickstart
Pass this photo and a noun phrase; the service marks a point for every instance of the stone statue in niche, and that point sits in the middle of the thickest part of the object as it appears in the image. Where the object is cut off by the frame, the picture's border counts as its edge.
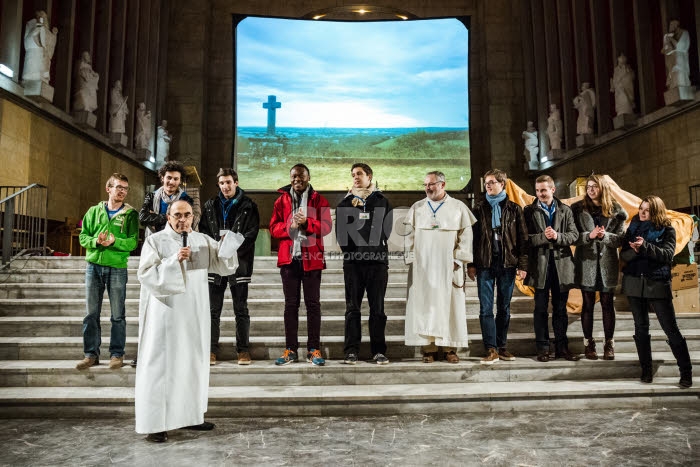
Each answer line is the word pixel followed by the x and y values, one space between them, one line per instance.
pixel 554 129
pixel 675 48
pixel 532 147
pixel 622 84
pixel 143 127
pixel 86 80
pixel 585 104
pixel 163 144
pixel 39 46
pixel 118 109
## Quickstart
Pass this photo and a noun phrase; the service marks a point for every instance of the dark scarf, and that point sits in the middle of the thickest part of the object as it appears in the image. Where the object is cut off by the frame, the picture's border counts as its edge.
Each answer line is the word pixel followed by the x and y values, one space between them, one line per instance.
pixel 644 229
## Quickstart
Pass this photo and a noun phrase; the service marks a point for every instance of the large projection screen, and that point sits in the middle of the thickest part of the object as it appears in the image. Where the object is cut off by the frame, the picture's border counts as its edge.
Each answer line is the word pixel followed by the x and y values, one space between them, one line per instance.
pixel 392 94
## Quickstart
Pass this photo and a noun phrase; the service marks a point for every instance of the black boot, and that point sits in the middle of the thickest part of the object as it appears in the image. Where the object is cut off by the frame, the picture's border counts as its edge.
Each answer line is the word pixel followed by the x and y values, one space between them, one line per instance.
pixel 644 353
pixel 679 347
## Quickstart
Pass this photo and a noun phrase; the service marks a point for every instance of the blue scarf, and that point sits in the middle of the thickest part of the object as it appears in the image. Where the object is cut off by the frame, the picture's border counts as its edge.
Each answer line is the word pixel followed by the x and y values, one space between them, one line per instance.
pixel 644 229
pixel 226 205
pixel 549 211
pixel 495 201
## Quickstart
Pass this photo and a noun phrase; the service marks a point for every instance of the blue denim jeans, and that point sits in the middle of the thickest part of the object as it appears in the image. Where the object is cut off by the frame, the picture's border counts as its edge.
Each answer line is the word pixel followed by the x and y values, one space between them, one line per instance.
pixel 494 332
pixel 97 278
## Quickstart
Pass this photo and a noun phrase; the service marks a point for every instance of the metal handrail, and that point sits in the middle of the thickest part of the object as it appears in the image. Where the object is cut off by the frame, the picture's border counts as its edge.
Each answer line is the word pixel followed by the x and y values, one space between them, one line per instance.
pixel 23 218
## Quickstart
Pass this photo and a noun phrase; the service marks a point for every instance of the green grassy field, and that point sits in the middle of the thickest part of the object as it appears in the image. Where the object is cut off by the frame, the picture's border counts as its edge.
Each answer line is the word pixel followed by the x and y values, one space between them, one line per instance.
pixel 399 163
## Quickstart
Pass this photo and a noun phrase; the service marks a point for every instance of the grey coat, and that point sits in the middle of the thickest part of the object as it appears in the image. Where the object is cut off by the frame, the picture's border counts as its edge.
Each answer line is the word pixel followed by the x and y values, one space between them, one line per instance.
pixel 592 255
pixel 540 246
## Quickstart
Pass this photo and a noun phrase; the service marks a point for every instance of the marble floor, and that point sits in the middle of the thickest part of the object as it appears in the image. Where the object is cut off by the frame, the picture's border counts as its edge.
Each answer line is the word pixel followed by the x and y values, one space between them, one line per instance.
pixel 613 437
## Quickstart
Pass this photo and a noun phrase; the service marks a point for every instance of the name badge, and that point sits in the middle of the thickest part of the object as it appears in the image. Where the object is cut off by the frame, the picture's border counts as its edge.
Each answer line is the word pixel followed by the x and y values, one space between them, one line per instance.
pixel 223 232
pixel 364 215
pixel 434 224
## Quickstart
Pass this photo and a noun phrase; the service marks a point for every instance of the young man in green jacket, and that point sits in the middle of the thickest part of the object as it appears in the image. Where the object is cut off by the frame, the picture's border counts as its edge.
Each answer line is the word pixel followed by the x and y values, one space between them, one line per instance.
pixel 110 232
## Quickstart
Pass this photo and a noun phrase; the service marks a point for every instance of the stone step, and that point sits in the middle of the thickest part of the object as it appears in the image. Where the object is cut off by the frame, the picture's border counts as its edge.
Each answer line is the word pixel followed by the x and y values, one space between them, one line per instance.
pixel 260 275
pixel 257 306
pixel 363 399
pixel 72 262
pixel 270 347
pixel 331 325
pixel 256 290
pixel 47 373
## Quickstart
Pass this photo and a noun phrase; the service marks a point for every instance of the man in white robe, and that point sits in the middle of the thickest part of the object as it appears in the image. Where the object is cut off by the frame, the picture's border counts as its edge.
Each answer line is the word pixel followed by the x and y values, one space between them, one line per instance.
pixel 438 245
pixel 172 377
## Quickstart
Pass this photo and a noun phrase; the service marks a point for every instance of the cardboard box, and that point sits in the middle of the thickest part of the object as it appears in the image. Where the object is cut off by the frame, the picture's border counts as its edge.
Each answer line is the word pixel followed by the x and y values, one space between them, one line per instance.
pixel 684 276
pixel 686 300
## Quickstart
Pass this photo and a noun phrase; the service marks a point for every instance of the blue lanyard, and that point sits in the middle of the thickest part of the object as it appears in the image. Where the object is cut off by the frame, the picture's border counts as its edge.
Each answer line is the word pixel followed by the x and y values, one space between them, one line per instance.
pixel 435 210
pixel 225 211
pixel 364 202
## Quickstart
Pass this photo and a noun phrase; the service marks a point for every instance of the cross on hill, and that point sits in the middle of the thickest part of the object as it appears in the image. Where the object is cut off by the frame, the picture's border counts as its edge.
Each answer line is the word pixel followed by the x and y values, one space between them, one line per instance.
pixel 271 105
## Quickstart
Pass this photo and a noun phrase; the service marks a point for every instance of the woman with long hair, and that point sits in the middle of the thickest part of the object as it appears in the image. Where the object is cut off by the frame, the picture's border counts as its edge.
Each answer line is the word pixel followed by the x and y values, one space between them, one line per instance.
pixel 600 220
pixel 648 252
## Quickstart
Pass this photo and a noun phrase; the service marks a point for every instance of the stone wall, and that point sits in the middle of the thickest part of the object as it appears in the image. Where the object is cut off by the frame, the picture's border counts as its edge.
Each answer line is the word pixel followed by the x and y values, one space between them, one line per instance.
pixel 661 159
pixel 35 150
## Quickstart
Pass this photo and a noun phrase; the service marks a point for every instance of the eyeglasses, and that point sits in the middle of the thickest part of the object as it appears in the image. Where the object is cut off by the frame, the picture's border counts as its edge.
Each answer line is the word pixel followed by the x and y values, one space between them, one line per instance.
pixel 431 185
pixel 180 215
pixel 120 188
pixel 490 183
pixel 588 187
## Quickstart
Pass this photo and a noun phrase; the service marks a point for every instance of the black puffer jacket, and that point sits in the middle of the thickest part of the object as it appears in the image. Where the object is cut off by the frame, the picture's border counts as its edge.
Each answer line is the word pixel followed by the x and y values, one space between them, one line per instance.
pixel 648 273
pixel 515 240
pixel 374 231
pixel 243 218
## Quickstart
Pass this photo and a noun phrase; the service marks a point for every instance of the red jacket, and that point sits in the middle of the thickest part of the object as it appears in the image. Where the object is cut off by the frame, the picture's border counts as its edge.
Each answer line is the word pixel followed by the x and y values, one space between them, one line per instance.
pixel 319 224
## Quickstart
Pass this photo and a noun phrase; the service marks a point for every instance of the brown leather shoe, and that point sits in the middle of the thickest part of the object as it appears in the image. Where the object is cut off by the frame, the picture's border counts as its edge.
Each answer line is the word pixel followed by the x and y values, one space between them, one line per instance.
pixel 451 357
pixel 87 362
pixel 244 358
pixel 609 350
pixel 566 354
pixel 589 350
pixel 491 357
pixel 542 356
pixel 503 354
pixel 212 359
pixel 428 357
pixel 116 362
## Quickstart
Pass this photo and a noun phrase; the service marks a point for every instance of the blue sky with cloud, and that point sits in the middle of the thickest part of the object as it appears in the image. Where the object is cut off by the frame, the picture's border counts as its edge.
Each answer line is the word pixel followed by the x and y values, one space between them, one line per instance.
pixel 353 74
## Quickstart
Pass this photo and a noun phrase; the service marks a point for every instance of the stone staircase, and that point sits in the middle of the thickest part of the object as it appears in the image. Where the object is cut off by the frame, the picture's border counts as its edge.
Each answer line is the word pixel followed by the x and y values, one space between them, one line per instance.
pixel 42 305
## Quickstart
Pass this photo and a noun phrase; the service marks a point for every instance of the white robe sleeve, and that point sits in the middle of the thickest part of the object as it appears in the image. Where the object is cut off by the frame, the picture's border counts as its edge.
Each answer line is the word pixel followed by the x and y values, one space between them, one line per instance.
pixel 226 246
pixel 162 277
pixel 464 250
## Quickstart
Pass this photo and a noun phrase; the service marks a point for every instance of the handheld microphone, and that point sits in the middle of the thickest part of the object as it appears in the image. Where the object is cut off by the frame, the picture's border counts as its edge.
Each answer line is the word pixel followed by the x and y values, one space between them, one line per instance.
pixel 184 239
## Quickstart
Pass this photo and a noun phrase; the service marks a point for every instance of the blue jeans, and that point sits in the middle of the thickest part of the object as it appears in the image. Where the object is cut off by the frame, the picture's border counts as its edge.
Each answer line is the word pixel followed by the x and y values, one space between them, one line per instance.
pixel 494 332
pixel 97 278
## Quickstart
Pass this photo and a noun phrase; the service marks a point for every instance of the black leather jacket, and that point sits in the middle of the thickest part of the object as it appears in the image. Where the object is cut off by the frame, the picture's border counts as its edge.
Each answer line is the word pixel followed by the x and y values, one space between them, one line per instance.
pixel 156 222
pixel 244 218
pixel 514 234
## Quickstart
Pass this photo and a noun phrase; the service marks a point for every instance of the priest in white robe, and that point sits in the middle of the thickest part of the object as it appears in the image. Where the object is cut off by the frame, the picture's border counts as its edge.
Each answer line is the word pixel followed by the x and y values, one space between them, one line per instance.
pixel 172 376
pixel 437 248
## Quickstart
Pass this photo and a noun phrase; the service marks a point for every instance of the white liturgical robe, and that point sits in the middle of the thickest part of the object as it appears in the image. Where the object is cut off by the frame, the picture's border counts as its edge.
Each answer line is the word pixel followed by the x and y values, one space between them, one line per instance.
pixel 439 234
pixel 172 375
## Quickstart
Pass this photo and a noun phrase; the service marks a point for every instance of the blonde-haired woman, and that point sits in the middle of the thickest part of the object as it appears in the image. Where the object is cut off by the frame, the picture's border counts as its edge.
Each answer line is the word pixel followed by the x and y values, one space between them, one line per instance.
pixel 648 252
pixel 600 220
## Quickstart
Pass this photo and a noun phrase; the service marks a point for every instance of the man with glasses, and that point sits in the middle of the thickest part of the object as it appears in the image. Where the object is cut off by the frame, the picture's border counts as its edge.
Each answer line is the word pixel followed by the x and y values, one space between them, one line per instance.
pixel 109 232
pixel 500 252
pixel 438 243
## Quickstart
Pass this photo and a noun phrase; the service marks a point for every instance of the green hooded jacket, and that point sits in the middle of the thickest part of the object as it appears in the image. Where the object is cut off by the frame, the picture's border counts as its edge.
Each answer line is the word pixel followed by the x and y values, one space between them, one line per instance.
pixel 124 225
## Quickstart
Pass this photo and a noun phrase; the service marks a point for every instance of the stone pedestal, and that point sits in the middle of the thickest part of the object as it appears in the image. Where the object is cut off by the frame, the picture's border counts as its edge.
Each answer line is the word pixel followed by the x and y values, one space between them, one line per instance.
pixel 531 166
pixel 583 141
pixel 143 154
pixel 679 95
pixel 624 121
pixel 120 139
pixel 38 90
pixel 84 119
pixel 555 154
